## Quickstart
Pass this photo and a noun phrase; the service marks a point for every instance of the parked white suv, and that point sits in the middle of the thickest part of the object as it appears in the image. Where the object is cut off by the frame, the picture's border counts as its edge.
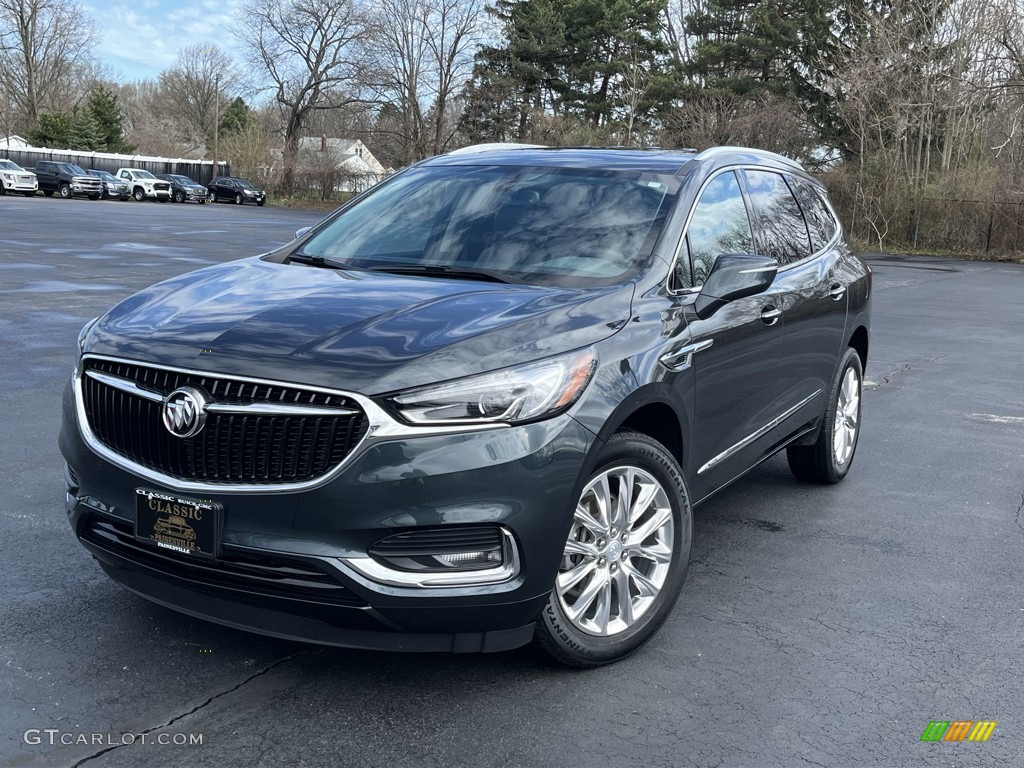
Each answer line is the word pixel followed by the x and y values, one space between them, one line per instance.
pixel 144 184
pixel 14 178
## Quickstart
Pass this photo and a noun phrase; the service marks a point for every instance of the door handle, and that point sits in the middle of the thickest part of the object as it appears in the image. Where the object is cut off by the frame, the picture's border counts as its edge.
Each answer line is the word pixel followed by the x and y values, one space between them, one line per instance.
pixel 770 315
pixel 837 291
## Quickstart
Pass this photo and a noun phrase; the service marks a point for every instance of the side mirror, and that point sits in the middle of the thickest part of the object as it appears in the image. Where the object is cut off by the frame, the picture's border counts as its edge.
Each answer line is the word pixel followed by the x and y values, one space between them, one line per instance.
pixel 300 232
pixel 734 276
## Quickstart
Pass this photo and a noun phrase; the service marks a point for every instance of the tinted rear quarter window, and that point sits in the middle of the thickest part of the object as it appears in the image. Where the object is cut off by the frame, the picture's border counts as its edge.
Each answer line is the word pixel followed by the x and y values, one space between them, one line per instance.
pixel 780 230
pixel 820 222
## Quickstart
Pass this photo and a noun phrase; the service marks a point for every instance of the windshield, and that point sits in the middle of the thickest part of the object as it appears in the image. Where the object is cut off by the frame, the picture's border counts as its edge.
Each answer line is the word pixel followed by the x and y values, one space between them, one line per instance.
pixel 183 180
pixel 75 169
pixel 7 165
pixel 556 226
pixel 245 184
pixel 105 175
pixel 143 175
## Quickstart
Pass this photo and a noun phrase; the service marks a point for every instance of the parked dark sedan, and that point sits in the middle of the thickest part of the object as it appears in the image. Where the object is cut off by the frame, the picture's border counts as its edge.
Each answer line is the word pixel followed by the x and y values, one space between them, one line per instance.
pixel 236 190
pixel 476 405
pixel 183 189
pixel 112 186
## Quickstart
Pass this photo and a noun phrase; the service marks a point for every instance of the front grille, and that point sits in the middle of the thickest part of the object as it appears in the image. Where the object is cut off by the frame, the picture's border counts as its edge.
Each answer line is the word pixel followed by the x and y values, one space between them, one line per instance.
pixel 276 575
pixel 161 187
pixel 231 448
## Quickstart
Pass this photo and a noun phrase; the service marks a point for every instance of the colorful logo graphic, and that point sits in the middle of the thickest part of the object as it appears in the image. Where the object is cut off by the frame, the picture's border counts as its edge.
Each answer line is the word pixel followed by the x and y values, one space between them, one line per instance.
pixel 958 730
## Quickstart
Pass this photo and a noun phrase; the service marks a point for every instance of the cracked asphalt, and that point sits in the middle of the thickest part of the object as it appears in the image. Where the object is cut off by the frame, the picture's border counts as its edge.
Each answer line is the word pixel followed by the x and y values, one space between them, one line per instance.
pixel 818 626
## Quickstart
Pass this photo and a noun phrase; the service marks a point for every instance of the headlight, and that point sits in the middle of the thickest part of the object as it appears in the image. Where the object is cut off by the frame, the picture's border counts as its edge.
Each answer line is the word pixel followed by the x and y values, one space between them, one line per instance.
pixel 9 176
pixel 512 395
pixel 85 332
pixel 249 192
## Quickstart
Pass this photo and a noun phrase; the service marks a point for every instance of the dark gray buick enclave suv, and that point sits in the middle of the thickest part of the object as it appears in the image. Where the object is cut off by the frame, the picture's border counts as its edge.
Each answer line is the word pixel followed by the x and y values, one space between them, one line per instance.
pixel 476 405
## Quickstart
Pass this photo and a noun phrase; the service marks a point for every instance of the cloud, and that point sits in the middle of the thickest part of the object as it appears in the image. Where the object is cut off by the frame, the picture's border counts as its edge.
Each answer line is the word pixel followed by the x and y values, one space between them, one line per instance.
pixel 143 38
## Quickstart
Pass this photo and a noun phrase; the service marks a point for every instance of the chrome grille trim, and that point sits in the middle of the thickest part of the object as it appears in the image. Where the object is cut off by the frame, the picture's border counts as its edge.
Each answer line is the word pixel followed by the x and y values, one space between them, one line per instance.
pixel 381 428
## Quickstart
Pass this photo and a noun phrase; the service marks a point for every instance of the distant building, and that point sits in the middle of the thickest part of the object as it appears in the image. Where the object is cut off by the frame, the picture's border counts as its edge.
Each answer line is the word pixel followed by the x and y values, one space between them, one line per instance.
pixel 346 165
pixel 13 142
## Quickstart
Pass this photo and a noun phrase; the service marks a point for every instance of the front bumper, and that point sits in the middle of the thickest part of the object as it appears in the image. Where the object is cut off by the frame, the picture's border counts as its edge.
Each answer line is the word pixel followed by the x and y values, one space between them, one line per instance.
pixel 21 186
pixel 521 478
pixel 78 188
pixel 197 196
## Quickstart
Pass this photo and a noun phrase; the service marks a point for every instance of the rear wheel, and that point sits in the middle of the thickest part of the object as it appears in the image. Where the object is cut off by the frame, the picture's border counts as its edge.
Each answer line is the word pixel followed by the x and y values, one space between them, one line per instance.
pixel 830 458
pixel 625 558
pixel 65 191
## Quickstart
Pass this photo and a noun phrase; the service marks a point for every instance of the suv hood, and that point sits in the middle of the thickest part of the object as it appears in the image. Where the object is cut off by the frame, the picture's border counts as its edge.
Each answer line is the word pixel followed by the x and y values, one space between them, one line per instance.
pixel 366 332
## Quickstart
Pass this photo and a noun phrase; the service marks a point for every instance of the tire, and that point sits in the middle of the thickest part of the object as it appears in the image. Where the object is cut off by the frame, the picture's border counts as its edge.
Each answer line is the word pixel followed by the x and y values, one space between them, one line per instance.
pixel 3 189
pixel 179 196
pixel 139 194
pixel 585 623
pixel 239 200
pixel 65 191
pixel 830 458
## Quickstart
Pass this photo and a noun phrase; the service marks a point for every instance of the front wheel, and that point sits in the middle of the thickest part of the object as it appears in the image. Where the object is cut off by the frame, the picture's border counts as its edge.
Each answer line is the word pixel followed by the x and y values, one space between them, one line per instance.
pixel 65 191
pixel 239 200
pixel 139 195
pixel 830 458
pixel 625 558
pixel 179 197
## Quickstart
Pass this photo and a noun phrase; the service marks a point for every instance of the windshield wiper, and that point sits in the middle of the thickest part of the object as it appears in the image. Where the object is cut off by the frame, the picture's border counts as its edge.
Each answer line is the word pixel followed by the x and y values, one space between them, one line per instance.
pixel 317 261
pixel 441 270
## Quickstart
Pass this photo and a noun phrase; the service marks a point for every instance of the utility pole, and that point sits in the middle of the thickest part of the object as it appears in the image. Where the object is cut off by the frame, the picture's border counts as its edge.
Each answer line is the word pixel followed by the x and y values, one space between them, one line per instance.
pixel 216 120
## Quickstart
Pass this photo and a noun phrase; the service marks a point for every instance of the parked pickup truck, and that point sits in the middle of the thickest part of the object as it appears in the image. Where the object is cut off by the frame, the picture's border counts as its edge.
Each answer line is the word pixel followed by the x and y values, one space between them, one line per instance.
pixel 67 180
pixel 14 178
pixel 145 185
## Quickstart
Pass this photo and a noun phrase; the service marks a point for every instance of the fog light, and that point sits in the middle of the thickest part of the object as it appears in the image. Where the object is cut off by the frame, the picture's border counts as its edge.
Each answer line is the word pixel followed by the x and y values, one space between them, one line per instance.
pixel 455 548
pixel 481 559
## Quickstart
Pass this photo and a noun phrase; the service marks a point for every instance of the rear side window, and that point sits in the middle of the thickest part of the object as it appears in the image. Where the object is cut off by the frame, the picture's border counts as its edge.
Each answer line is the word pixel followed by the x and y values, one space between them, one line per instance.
pixel 779 229
pixel 719 225
pixel 820 222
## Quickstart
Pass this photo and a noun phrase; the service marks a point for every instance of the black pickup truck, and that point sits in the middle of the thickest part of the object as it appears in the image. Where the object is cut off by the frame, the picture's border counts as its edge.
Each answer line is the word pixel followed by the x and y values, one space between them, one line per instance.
pixel 67 180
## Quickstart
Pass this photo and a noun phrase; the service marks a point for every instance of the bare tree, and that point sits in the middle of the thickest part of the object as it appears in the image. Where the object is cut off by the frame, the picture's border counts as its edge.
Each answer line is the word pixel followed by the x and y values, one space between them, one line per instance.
pixel 42 43
pixel 193 89
pixel 309 52
pixel 420 54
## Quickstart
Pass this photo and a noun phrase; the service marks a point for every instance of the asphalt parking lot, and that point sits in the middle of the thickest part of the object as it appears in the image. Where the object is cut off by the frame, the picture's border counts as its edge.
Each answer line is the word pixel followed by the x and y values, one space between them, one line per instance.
pixel 818 626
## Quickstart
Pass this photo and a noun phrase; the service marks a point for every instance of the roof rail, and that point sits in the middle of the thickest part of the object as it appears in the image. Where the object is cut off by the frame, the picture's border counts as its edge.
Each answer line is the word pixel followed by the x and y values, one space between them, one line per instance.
pixel 497 146
pixel 715 151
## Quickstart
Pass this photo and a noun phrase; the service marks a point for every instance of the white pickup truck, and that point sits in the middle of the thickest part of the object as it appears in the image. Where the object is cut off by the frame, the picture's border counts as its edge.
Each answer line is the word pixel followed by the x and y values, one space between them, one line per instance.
pixel 144 184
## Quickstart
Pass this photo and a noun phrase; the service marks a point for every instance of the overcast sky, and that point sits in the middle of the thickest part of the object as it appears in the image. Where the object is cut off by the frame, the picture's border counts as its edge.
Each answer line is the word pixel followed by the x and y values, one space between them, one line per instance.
pixel 141 38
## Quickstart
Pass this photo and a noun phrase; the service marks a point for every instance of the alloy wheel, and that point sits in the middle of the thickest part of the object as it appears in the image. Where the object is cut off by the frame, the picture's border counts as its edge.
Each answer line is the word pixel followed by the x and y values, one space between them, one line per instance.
pixel 619 551
pixel 844 430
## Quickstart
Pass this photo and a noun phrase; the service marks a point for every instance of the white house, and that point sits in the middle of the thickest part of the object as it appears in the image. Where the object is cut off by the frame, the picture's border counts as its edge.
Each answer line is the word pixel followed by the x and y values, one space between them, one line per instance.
pixel 349 161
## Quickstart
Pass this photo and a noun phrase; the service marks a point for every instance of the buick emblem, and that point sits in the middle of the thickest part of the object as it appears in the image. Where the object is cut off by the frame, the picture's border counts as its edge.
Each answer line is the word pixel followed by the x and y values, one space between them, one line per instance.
pixel 185 411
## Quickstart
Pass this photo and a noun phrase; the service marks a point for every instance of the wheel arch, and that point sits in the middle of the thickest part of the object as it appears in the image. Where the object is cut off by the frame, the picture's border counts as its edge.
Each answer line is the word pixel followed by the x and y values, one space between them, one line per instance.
pixel 859 341
pixel 655 412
